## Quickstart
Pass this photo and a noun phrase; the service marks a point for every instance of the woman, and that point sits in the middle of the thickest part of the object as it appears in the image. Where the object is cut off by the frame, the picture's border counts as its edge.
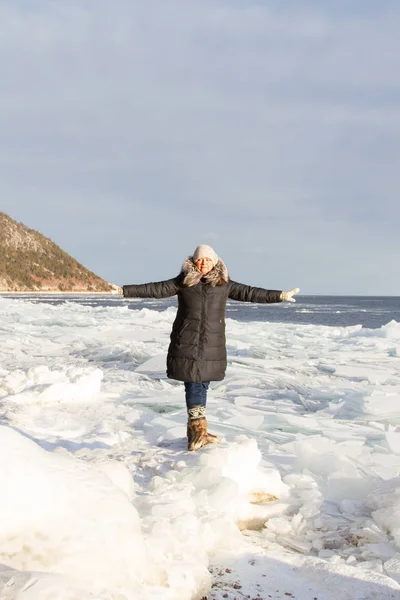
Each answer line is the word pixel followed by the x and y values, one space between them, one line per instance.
pixel 197 352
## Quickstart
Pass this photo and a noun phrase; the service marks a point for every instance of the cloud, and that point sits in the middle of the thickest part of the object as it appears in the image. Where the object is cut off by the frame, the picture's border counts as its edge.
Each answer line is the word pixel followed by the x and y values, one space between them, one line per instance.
pixel 134 129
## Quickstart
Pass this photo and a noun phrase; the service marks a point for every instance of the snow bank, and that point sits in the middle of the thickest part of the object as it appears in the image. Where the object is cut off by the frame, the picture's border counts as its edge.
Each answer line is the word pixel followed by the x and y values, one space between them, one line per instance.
pixel 60 515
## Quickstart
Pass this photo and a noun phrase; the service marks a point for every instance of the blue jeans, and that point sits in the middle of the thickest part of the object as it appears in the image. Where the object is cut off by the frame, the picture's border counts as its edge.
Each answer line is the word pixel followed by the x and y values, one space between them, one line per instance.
pixel 196 394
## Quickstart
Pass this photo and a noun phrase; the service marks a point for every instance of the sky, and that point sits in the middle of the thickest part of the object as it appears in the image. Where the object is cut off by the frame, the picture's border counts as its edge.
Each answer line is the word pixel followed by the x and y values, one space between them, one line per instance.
pixel 131 132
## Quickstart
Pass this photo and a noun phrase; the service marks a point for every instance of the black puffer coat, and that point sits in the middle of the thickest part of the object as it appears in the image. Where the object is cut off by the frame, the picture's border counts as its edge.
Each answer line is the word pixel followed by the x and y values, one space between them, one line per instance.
pixel 197 350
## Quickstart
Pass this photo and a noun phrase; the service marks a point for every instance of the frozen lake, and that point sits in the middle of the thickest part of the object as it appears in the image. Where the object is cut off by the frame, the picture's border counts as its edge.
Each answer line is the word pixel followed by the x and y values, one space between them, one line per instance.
pixel 100 498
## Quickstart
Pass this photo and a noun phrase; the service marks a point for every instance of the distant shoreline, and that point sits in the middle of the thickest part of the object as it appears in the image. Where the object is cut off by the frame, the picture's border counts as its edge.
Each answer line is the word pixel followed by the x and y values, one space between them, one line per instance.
pixel 59 293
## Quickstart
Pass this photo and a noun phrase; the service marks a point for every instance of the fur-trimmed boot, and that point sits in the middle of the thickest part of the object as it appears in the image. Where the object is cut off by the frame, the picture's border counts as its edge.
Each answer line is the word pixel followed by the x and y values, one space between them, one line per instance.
pixel 197 433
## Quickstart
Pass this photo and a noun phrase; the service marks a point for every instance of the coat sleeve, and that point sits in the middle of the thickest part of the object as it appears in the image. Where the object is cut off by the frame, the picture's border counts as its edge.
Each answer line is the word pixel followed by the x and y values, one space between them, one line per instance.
pixel 157 289
pixel 247 293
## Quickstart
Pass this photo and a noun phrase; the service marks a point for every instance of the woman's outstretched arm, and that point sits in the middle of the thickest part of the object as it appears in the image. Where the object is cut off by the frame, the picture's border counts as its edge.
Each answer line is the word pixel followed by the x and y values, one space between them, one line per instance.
pixel 247 293
pixel 155 289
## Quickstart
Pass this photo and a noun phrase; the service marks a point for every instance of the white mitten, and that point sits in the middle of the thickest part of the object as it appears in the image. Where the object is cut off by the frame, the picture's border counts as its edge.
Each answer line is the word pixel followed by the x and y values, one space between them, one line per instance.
pixel 287 296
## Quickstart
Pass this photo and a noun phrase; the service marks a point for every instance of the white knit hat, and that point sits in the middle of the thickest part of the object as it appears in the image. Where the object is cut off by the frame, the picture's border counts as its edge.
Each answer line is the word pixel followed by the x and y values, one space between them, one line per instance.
pixel 205 251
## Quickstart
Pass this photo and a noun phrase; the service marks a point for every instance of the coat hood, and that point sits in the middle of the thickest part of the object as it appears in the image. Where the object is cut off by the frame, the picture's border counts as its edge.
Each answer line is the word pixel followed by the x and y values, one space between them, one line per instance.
pixel 192 276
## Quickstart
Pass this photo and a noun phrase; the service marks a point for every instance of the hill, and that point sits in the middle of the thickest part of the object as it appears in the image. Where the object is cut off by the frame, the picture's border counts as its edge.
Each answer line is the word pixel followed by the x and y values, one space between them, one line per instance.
pixel 31 262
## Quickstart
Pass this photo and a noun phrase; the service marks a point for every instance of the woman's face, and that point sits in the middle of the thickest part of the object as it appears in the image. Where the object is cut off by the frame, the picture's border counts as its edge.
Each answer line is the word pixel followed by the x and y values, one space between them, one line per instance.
pixel 204 265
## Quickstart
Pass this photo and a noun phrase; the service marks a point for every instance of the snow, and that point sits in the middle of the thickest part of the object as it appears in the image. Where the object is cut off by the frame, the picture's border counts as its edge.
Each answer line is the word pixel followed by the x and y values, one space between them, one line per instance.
pixel 100 498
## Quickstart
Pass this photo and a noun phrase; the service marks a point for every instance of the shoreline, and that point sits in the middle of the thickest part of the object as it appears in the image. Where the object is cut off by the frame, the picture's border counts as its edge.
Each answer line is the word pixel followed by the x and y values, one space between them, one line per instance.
pixel 58 293
pixel 113 293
